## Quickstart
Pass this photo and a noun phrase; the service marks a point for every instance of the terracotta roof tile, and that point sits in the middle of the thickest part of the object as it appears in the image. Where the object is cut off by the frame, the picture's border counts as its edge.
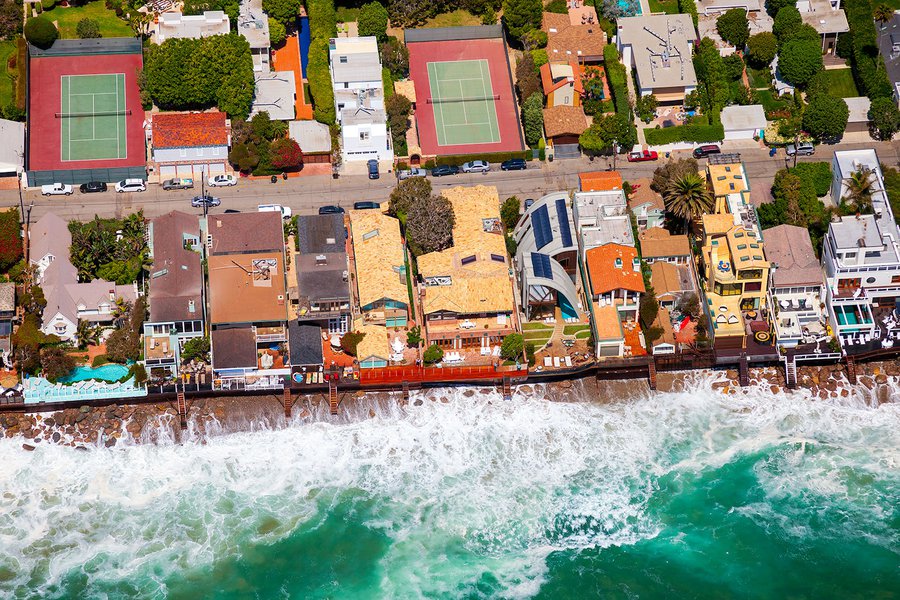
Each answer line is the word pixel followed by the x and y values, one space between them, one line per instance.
pixel 657 242
pixel 564 120
pixel 642 194
pixel 565 41
pixel 185 130
pixel 607 275
pixel 600 181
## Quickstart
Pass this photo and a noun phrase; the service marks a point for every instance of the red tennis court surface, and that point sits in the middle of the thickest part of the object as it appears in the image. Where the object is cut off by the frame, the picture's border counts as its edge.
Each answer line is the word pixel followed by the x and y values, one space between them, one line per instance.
pixel 45 100
pixel 493 50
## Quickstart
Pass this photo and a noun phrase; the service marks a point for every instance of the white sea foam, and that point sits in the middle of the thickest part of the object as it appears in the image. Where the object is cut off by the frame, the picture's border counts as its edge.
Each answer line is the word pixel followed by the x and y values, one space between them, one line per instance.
pixel 507 482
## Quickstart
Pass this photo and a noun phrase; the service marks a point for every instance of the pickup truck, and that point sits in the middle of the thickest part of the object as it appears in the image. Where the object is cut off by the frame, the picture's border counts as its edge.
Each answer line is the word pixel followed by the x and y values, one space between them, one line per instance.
pixel 178 184
pixel 56 189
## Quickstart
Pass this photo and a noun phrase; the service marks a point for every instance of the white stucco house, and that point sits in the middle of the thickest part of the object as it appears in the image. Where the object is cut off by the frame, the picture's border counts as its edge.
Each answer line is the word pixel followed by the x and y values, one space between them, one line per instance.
pixel 359 99
pixel 174 24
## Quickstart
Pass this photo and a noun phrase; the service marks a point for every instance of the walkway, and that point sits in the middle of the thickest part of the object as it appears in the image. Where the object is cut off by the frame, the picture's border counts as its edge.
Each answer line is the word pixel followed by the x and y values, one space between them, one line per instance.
pixel 287 58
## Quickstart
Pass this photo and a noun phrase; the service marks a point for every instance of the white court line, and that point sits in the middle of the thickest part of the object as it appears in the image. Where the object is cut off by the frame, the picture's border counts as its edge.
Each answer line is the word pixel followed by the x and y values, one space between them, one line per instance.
pixel 118 146
pixel 465 112
pixel 94 93
pixel 437 85
pixel 492 106
pixel 93 140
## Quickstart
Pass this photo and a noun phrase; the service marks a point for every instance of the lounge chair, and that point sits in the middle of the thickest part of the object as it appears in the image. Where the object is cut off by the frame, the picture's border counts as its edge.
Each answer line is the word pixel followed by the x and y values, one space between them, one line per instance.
pixel 568 361
pixel 548 362
pixel 556 362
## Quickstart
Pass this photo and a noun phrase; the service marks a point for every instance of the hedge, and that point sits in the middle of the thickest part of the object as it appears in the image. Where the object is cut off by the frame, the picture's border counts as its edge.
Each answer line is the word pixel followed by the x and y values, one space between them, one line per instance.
pixel 491 157
pixel 616 76
pixel 868 65
pixel 322 19
pixel 817 173
pixel 21 77
pixel 319 77
pixel 688 7
pixel 685 133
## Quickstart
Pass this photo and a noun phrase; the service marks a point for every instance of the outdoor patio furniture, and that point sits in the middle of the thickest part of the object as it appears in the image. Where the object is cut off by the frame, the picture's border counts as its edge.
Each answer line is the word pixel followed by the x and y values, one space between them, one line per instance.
pixel 556 362
pixel 568 361
pixel 548 362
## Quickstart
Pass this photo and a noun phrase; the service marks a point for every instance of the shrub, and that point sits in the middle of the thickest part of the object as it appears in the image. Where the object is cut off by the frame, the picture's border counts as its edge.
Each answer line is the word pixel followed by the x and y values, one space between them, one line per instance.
pixel 41 32
pixel 799 60
pixel 56 364
pixel 688 7
pixel 761 49
pixel 277 32
pixel 616 76
pixel 10 239
pixel 885 117
pixel 509 212
pixel 533 118
pixel 48 4
pixel 433 354
pixel 826 117
pixel 87 29
pixel 540 57
pixel 512 346
pixel 373 21
pixel 685 133
pixel 196 349
pixel 491 157
pixel 99 361
pixel 285 11
pixel 818 174
pixel 350 340
pixel 319 77
pixel 139 372
pixel 285 153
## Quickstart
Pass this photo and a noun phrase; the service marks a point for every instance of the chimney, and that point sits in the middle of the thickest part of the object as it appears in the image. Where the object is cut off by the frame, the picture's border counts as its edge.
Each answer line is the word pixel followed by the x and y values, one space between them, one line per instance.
pixel 321 260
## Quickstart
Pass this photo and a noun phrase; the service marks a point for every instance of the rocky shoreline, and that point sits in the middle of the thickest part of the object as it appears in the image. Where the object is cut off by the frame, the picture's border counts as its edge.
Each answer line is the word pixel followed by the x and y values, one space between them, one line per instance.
pixel 84 426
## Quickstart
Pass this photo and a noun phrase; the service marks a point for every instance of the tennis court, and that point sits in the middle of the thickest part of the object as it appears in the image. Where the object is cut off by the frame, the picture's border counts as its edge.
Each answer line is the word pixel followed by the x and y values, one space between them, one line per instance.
pixel 92 117
pixel 464 102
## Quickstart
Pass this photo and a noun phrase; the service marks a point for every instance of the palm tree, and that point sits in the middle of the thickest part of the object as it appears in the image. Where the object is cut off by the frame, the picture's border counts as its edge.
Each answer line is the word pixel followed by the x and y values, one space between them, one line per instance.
pixel 859 191
pixel 686 197
pixel 883 14
pixel 87 334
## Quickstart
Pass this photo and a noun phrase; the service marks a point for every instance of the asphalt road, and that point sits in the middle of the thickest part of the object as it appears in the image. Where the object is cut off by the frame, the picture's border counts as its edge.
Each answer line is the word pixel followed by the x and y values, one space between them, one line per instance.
pixel 305 194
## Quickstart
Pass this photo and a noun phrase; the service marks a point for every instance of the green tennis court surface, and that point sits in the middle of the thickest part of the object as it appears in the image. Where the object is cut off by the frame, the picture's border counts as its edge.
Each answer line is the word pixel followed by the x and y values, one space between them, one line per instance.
pixel 464 102
pixel 92 117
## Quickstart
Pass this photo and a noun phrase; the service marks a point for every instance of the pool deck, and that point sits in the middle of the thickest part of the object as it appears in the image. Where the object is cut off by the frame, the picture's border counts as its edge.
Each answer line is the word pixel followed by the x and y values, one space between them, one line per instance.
pixel 38 389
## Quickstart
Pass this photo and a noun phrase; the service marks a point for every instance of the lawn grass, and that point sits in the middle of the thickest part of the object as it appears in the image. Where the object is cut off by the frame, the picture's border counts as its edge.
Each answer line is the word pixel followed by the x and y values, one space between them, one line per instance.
pixel 7 49
pixel 536 326
pixel 759 78
pixel 346 14
pixel 670 7
pixel 768 100
pixel 67 20
pixel 457 18
pixel 841 84
pixel 583 335
pixel 573 329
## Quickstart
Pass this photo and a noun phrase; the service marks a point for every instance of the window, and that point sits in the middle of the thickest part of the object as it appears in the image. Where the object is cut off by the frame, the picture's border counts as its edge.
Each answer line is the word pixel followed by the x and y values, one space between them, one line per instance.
pixel 566 100
pixel 895 279
pixel 363 136
pixel 342 60
pixel 753 286
pixel 346 85
pixel 468 260
pixel 497 258
pixel 370 234
pixel 850 255
pixel 199 151
pixel 182 152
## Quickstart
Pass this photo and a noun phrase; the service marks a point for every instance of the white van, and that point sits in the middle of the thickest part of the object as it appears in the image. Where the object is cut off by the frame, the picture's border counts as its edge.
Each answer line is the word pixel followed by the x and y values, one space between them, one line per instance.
pixel 284 210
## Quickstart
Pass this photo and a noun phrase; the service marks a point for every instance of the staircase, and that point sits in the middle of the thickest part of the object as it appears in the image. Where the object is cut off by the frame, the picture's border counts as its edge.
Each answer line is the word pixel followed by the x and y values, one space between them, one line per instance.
pixel 651 368
pixel 851 370
pixel 288 403
pixel 333 398
pixel 790 373
pixel 507 389
pixel 744 372
pixel 182 410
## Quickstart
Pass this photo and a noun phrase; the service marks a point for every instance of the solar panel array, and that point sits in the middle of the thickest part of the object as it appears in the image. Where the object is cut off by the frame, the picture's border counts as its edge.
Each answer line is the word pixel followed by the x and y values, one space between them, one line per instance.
pixel 564 230
pixel 543 234
pixel 541 264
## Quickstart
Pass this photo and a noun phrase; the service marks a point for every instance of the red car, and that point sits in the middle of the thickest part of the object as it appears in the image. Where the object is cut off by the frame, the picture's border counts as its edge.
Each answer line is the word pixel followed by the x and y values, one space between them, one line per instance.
pixel 643 156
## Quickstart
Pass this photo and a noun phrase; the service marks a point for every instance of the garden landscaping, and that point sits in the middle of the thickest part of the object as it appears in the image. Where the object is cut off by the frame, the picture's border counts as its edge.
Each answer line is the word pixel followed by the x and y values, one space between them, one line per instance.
pixel 67 18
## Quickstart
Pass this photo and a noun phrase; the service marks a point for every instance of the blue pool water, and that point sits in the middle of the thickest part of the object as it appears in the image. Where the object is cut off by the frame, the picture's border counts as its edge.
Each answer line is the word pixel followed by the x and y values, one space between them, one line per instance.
pixel 632 8
pixel 109 372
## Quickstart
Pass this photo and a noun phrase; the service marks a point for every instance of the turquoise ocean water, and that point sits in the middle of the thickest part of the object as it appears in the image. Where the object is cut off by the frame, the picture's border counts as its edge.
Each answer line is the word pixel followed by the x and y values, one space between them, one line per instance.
pixel 682 495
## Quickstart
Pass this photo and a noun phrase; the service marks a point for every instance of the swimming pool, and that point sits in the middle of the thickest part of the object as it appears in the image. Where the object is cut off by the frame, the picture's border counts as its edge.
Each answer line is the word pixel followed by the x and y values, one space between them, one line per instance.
pixel 110 372
pixel 631 8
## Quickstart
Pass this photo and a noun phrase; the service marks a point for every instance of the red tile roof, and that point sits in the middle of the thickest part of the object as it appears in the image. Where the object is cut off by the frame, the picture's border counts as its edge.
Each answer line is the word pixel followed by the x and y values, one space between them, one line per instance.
pixel 606 275
pixel 188 130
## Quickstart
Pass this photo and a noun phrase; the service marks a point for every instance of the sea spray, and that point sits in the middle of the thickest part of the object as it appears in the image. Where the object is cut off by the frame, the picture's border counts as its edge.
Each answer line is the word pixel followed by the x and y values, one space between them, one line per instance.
pixel 459 494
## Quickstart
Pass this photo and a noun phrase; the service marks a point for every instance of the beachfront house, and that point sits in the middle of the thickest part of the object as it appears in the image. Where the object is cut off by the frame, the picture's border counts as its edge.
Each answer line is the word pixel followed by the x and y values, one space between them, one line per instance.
pixel 247 305
pixel 69 301
pixel 323 279
pixel 466 293
pixel 575 35
pixel 601 211
pixel 380 275
pixel 861 259
pixel 795 286
pixel 616 284
pixel 658 245
pixel 176 291
pixel 359 99
pixel 547 259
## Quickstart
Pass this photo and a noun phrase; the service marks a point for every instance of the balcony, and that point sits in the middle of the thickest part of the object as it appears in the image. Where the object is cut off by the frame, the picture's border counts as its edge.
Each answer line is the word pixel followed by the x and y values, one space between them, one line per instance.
pixel 159 351
pixel 467 329
pixel 270 334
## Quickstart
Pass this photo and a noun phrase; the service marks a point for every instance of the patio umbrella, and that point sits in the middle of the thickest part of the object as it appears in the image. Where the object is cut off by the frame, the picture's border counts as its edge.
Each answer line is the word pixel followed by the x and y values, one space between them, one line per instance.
pixel 335 341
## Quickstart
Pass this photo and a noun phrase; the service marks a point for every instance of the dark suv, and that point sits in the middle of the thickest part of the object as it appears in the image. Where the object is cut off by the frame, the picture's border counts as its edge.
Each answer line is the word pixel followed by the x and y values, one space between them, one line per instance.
pixel 703 151
pixel 373 169
pixel 513 164
pixel 91 187
pixel 445 170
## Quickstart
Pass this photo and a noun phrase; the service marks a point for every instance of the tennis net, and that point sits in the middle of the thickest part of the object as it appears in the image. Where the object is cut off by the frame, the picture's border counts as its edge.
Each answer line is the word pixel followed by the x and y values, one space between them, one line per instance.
pixel 476 99
pixel 111 113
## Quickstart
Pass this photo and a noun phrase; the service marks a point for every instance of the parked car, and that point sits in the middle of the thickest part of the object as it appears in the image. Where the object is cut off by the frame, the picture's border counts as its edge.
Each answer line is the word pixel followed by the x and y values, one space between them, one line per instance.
pixel 92 187
pixel 285 211
pixel 365 205
pixel 801 149
pixel 372 165
pixel 210 201
pixel 131 185
pixel 701 151
pixel 330 209
pixel 56 189
pixel 643 156
pixel 221 180
pixel 178 183
pixel 413 172
pixel 445 170
pixel 476 166
pixel 514 164
pixel 231 211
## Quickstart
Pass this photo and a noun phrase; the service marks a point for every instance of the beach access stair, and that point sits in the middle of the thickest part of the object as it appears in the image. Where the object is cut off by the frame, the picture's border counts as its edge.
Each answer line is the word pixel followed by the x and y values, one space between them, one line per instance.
pixel 790 373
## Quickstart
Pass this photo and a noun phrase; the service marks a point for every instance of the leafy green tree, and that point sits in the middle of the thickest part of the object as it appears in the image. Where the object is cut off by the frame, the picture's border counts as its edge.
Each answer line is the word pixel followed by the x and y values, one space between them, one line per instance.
pixel 433 354
pixel 600 137
pixel 350 341
pixel 593 94
pixel 244 157
pixel 87 29
pixel 429 224
pixel 528 78
pixel 645 107
pixel 773 7
pixel 56 364
pixel 373 20
pixel 733 27
pixel 10 19
pixel 87 334
pixel 27 341
pixel 761 49
pixel 535 39
pixel 398 108
pixel 40 32
pixel 509 212
pixel 277 32
pixel 285 11
pixel 786 20
pixel 882 13
pixel 521 16
pixel 512 346
pixel 414 337
pixel 799 60
pixel 196 349
pixel 672 170
pixel 687 197
pixel 408 192
pixel 285 154
pixel 533 118
pixel 395 58
pixel 826 117
pixel 734 66
pixel 885 117
pixel 714 84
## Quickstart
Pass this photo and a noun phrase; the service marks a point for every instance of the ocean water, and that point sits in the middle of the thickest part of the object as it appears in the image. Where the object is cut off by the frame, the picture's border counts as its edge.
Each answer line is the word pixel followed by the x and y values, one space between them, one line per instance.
pixel 669 495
